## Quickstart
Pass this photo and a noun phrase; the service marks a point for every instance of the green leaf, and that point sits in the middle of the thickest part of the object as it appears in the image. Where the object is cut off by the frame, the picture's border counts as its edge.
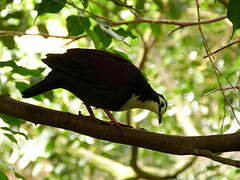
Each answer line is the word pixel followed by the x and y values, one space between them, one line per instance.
pixel 85 3
pixel 10 137
pixel 212 167
pixel 125 33
pixel 21 70
pixel 176 8
pixel 12 121
pixel 77 25
pixel 156 29
pixel 93 35
pixel 233 13
pixel 4 3
pixel 140 4
pixel 3 176
pixel 104 38
pixel 21 86
pixel 42 28
pixel 18 175
pixel 8 42
pixel 159 3
pixel 120 54
pixel 50 6
pixel 14 132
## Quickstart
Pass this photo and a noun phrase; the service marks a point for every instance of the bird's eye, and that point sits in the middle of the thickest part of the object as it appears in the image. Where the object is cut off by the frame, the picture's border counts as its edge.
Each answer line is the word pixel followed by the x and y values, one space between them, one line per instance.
pixel 162 105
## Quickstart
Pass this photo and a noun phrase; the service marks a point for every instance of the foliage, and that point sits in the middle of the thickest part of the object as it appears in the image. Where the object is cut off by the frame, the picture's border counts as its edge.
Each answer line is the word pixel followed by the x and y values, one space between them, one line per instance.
pixel 171 59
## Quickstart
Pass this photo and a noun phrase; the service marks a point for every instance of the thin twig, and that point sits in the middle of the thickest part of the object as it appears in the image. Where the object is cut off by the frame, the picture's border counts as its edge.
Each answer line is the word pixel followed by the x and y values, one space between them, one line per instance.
pixel 168 21
pixel 210 155
pixel 223 89
pixel 216 70
pixel 16 33
pixel 87 12
pixel 220 49
pixel 142 20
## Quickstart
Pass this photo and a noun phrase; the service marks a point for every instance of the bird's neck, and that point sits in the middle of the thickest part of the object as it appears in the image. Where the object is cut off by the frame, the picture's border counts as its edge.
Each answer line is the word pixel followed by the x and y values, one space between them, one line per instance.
pixel 136 101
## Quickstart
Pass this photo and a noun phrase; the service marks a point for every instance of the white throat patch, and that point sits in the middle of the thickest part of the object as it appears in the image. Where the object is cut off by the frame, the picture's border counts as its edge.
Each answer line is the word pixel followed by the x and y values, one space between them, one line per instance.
pixel 134 102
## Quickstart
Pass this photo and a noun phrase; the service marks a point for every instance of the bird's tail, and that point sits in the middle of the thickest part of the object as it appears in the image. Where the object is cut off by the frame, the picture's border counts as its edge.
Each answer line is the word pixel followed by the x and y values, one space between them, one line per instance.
pixel 43 86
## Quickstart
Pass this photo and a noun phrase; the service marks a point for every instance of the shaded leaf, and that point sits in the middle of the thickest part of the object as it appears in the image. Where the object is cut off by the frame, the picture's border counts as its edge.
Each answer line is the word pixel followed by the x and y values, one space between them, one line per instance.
pixel 3 176
pixel 15 132
pixel 233 13
pixel 159 3
pixel 4 3
pixel 50 6
pixel 10 137
pixel 176 8
pixel 120 53
pixel 125 33
pixel 21 86
pixel 8 42
pixel 18 175
pixel 12 121
pixel 156 29
pixel 76 25
pixel 140 4
pixel 42 28
pixel 21 70
pixel 85 3
pixel 104 38
pixel 108 31
pixel 93 35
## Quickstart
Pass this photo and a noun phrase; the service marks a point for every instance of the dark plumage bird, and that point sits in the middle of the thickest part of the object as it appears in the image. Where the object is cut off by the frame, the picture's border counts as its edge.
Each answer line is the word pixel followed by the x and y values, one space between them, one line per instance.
pixel 100 79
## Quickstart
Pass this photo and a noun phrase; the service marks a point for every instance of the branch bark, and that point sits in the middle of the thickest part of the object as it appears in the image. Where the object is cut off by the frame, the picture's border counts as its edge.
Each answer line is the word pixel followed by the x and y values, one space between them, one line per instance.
pixel 180 145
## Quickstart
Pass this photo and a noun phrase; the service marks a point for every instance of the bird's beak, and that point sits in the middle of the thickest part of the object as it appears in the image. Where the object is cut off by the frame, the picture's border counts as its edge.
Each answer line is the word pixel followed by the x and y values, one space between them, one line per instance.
pixel 159 116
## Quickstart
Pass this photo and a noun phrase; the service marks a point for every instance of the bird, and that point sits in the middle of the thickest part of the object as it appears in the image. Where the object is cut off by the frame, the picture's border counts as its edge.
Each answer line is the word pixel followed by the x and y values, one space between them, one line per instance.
pixel 100 79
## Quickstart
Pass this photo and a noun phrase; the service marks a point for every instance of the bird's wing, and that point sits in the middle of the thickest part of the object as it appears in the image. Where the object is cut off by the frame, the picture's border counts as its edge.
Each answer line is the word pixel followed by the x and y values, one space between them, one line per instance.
pixel 102 68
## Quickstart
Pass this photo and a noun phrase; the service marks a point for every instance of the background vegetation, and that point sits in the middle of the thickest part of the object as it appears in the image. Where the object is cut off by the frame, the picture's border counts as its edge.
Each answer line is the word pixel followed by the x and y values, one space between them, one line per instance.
pixel 163 38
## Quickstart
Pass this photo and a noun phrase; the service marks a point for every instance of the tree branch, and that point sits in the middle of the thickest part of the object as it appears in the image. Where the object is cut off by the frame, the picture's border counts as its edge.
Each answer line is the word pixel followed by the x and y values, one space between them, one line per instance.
pixel 172 144
pixel 16 33
pixel 226 46
pixel 168 21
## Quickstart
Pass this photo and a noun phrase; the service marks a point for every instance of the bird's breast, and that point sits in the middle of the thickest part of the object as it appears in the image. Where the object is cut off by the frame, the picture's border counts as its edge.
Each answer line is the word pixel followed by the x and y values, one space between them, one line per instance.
pixel 136 102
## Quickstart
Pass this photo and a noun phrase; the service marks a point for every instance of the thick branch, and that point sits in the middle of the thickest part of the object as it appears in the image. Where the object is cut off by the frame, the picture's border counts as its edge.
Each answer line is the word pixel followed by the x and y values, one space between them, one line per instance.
pixel 180 145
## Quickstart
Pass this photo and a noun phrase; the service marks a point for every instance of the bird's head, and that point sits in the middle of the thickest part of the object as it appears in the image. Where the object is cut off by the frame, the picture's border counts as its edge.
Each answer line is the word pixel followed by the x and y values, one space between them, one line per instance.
pixel 162 107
